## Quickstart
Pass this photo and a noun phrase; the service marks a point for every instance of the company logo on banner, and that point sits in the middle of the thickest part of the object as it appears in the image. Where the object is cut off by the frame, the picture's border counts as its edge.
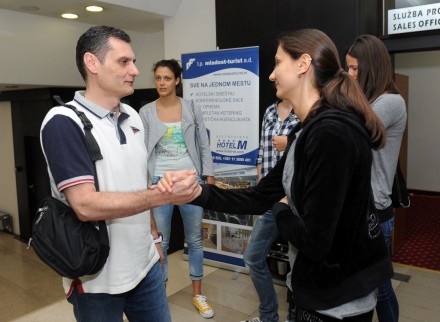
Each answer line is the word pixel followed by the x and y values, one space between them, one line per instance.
pixel 225 85
pixel 412 19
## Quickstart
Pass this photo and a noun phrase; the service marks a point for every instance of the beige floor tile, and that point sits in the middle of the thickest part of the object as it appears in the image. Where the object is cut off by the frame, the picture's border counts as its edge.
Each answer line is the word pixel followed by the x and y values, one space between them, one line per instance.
pixel 59 311
pixel 178 272
pixel 182 314
pixel 182 299
pixel 31 292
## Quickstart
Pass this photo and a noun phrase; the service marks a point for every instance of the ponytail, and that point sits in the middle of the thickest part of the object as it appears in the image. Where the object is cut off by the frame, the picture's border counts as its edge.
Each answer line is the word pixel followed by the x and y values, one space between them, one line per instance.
pixel 343 92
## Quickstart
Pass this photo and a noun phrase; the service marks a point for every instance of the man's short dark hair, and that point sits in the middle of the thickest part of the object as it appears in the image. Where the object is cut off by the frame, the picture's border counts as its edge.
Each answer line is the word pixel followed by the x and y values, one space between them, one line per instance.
pixel 95 41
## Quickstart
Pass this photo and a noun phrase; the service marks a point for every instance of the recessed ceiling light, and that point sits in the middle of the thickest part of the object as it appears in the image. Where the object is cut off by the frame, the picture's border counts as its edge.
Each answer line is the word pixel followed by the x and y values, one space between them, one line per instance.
pixel 94 8
pixel 69 15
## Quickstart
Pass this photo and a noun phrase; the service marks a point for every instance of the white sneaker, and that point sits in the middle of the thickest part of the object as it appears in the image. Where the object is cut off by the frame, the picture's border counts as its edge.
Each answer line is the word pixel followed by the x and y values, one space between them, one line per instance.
pixel 253 320
pixel 202 306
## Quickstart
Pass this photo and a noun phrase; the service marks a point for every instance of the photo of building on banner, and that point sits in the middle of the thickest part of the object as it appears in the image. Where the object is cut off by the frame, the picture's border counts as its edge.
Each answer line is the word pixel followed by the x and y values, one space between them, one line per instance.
pixel 225 85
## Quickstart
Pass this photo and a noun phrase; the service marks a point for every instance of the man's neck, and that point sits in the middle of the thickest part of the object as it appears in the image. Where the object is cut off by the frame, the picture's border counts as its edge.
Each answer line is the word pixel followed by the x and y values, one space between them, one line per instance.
pixel 105 101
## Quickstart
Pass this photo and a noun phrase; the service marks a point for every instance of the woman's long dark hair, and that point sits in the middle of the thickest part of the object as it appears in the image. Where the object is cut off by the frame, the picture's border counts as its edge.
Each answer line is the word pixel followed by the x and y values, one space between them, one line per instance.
pixel 375 73
pixel 336 87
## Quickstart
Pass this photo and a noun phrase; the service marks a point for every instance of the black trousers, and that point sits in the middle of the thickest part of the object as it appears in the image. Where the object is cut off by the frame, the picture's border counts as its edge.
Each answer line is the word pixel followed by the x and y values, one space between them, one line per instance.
pixel 312 316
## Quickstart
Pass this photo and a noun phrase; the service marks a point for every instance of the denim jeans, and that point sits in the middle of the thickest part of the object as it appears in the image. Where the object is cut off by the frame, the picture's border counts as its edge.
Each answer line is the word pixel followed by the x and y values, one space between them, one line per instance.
pixel 192 227
pixel 387 307
pixel 146 302
pixel 263 234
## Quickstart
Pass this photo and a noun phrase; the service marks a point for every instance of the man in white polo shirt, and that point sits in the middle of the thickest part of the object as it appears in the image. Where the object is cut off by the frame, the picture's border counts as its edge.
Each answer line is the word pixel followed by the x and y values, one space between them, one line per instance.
pixel 131 281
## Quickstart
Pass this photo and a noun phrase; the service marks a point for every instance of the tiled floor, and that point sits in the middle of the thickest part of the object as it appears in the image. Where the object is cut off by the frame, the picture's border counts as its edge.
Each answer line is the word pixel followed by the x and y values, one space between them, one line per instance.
pixel 30 292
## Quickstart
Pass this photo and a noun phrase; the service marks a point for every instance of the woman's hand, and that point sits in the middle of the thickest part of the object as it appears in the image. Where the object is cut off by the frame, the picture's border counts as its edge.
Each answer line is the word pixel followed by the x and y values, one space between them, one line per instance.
pixel 284 200
pixel 279 142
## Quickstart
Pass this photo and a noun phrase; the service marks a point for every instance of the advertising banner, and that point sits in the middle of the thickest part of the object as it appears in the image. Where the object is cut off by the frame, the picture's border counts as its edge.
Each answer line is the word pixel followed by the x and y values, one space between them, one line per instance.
pixel 225 85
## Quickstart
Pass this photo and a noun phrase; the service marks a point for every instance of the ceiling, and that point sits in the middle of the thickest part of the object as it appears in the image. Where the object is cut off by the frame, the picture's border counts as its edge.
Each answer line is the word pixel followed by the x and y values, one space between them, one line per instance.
pixel 122 16
pixel 144 16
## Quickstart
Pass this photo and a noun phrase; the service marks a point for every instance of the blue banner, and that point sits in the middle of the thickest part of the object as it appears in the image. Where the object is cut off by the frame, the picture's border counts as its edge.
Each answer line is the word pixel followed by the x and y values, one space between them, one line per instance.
pixel 225 85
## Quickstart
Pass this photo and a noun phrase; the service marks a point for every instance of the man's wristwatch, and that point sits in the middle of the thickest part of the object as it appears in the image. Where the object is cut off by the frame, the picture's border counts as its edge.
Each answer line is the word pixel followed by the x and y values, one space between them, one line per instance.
pixel 158 239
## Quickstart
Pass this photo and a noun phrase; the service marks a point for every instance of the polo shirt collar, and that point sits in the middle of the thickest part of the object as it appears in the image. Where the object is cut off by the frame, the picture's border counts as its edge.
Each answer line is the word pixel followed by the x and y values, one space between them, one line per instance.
pixel 96 109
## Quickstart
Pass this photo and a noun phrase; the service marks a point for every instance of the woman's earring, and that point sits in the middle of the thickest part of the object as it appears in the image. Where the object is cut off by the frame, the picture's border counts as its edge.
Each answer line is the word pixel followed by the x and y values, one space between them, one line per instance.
pixel 299 75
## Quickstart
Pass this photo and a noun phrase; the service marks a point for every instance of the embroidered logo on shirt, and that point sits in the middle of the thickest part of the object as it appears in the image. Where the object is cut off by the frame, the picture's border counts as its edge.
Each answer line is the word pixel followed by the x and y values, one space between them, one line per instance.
pixel 135 129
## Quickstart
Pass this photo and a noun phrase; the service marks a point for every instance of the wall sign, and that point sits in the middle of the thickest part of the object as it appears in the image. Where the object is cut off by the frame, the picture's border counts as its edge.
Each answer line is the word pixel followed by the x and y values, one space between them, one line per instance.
pixel 413 19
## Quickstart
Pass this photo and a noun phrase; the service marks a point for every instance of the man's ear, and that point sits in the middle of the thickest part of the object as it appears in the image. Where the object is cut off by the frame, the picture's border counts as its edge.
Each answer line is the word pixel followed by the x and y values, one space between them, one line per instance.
pixel 91 62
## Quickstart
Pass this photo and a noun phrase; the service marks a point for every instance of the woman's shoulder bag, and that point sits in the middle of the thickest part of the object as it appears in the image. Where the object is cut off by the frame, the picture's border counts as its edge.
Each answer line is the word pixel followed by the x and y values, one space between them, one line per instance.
pixel 399 194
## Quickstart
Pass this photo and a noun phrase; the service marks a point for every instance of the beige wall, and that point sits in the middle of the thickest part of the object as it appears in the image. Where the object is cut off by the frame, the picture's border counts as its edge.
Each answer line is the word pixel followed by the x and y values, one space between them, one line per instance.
pixel 182 37
pixel 423 69
pixel 41 51
pixel 8 189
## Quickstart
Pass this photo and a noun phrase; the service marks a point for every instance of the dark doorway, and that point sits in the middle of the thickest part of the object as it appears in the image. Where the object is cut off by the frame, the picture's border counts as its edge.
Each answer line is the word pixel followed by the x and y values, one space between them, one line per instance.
pixel 36 175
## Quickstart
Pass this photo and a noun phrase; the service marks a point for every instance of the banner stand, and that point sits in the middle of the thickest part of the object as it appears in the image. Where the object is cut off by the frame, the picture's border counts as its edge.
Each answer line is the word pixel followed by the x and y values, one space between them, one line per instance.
pixel 225 85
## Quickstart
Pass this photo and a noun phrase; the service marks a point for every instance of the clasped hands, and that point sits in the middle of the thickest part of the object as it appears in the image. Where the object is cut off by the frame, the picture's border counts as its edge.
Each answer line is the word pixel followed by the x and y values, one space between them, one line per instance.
pixel 182 185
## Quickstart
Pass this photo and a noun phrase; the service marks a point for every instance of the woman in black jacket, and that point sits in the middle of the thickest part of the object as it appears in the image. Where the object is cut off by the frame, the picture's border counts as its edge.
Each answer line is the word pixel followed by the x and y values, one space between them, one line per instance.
pixel 320 189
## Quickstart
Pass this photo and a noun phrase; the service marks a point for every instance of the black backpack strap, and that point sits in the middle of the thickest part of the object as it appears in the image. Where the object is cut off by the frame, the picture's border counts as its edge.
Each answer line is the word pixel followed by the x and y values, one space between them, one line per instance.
pixel 92 145
pixel 95 154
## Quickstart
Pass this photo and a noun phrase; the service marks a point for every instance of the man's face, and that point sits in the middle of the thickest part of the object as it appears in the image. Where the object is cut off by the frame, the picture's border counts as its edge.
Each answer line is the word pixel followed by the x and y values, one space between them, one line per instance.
pixel 116 74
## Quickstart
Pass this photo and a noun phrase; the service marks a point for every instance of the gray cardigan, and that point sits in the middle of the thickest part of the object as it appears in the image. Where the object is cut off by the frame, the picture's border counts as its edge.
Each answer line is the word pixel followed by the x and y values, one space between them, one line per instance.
pixel 391 110
pixel 192 120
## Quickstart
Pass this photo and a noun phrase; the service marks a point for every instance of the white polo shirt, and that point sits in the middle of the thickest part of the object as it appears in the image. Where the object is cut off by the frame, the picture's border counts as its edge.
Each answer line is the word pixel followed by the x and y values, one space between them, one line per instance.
pixel 123 168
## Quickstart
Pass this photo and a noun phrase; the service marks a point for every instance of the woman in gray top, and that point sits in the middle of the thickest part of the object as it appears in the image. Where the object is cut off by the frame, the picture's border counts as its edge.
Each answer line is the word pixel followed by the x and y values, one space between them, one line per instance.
pixel 176 138
pixel 369 62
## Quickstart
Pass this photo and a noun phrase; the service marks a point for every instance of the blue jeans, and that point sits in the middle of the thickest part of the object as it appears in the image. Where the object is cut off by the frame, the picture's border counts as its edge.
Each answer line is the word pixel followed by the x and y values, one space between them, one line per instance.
pixel 387 307
pixel 263 235
pixel 146 302
pixel 192 227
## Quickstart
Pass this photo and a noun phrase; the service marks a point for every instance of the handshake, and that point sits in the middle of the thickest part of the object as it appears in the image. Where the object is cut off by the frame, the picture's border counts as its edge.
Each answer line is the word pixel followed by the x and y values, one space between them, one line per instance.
pixel 181 186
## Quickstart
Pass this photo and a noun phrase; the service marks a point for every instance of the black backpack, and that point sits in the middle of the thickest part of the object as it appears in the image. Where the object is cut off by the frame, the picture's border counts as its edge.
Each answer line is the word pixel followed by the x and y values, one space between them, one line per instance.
pixel 71 247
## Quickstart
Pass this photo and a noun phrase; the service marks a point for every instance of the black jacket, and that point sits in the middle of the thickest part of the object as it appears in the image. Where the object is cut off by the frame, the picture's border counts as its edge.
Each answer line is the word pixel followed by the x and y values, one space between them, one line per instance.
pixel 337 261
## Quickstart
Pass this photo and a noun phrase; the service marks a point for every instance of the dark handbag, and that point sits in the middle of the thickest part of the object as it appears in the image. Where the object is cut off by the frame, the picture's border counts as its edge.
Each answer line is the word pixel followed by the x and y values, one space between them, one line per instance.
pixel 399 195
pixel 372 218
pixel 71 247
